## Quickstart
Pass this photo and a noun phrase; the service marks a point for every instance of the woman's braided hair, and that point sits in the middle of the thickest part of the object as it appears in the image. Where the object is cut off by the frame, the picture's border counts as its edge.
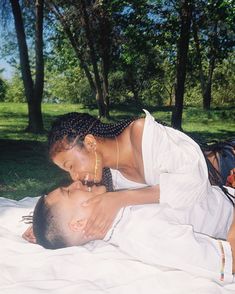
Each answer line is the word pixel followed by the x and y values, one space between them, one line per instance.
pixel 71 128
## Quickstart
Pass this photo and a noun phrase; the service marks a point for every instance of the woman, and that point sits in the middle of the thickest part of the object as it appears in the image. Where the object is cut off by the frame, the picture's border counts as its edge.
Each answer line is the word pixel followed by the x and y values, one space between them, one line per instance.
pixel 148 162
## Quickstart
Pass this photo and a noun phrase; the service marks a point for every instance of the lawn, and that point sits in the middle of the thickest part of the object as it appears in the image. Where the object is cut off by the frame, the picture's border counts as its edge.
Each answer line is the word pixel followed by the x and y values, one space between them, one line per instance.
pixel 25 168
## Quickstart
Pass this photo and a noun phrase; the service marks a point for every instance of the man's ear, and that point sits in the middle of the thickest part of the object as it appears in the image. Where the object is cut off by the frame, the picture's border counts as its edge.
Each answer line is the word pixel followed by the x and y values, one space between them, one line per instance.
pixel 77 225
pixel 90 142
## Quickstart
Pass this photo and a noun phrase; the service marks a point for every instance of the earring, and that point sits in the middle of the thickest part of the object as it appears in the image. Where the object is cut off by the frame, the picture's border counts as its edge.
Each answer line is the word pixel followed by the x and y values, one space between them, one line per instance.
pixel 96 167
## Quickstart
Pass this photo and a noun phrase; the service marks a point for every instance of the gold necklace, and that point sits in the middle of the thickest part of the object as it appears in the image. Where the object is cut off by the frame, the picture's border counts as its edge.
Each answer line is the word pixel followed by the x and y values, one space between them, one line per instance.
pixel 117 159
pixel 117 148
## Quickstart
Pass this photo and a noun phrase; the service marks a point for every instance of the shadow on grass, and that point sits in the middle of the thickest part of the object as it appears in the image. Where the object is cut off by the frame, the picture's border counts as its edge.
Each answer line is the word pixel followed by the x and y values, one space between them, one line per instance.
pixel 26 170
pixel 222 135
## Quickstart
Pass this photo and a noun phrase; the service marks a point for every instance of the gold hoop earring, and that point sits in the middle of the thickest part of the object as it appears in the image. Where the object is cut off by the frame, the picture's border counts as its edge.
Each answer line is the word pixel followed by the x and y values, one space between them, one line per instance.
pixel 96 167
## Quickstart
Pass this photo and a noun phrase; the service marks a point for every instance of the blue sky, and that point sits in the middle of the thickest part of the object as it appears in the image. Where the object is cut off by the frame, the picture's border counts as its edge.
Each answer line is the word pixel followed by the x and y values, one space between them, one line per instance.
pixel 3 62
pixel 7 73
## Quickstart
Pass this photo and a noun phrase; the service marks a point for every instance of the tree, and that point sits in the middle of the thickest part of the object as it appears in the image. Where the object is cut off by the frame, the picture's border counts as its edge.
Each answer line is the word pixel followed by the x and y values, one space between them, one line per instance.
pixel 3 88
pixel 88 26
pixel 214 37
pixel 182 54
pixel 33 89
pixel 139 58
pixel 109 36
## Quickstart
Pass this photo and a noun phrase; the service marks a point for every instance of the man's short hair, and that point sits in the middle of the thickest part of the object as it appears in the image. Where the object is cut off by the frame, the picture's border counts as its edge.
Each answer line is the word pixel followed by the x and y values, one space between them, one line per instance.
pixel 46 226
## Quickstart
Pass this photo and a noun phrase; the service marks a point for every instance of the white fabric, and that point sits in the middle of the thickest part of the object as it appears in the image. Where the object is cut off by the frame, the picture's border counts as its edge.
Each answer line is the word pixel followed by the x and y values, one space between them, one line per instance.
pixel 97 268
pixel 159 235
pixel 173 160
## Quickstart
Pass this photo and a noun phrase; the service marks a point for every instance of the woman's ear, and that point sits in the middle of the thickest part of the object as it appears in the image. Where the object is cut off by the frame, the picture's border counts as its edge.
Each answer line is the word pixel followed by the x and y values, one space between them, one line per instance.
pixel 77 225
pixel 90 142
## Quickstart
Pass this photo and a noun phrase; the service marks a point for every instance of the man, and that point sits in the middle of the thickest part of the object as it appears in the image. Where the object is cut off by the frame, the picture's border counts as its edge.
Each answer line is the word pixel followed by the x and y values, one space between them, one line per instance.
pixel 156 233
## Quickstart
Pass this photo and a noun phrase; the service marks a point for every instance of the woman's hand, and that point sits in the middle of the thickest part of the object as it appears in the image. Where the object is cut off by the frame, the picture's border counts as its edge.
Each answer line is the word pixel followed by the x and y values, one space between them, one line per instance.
pixel 28 235
pixel 104 209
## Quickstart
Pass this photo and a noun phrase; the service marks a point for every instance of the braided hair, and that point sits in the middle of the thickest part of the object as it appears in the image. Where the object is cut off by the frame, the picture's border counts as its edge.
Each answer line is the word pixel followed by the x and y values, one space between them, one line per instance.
pixel 72 128
pixel 222 148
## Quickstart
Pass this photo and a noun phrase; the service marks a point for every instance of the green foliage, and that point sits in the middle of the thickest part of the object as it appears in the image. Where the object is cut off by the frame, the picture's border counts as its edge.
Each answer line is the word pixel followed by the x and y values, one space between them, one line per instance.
pixel 70 86
pixel 3 89
pixel 224 82
pixel 141 41
pixel 15 90
pixel 65 80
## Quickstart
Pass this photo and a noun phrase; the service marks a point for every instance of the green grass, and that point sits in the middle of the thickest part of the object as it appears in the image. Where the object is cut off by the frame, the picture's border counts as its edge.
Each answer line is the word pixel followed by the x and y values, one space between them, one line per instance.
pixel 25 169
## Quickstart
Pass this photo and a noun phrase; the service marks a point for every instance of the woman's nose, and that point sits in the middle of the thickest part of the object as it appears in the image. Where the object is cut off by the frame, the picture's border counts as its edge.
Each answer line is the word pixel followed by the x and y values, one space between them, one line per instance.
pixel 74 176
pixel 76 186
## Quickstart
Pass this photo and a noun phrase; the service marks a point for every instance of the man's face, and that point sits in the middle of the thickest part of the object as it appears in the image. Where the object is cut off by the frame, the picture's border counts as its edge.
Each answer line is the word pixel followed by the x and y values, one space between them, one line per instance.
pixel 68 200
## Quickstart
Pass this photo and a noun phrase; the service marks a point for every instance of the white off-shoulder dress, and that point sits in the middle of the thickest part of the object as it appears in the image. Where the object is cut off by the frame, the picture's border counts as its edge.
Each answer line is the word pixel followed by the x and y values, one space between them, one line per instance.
pixel 188 229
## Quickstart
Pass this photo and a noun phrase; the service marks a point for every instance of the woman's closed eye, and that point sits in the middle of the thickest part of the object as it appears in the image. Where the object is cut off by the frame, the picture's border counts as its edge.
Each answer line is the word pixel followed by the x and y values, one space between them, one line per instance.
pixel 68 168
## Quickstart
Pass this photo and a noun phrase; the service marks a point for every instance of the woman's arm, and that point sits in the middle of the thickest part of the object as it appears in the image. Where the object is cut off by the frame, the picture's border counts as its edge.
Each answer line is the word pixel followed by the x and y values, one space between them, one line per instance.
pixel 106 206
pixel 138 196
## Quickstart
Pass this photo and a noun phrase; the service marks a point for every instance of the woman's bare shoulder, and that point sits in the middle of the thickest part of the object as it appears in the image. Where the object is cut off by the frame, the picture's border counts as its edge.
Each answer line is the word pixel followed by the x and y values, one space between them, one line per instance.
pixel 136 132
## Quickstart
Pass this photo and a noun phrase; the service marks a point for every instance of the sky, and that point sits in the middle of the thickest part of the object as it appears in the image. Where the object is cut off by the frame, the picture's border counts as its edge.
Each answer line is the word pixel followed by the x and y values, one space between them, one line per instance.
pixel 7 73
pixel 3 62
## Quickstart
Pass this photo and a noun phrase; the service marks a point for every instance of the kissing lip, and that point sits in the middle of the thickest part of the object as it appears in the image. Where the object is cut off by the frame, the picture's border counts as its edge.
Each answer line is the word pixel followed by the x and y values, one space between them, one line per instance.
pixel 88 183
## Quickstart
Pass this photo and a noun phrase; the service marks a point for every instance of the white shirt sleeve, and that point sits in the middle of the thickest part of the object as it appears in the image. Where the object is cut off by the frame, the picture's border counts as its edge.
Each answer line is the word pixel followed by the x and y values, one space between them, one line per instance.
pixel 184 188
pixel 173 160
pixel 176 246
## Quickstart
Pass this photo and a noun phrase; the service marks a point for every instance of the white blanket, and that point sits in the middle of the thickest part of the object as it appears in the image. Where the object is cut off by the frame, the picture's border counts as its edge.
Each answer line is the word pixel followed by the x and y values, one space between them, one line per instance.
pixel 101 268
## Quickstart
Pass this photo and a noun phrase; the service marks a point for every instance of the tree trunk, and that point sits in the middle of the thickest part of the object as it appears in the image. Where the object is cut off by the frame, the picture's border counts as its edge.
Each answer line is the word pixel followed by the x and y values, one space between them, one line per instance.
pixel 99 90
pixel 199 57
pixel 35 124
pixel 35 117
pixel 105 47
pixel 105 72
pixel 207 93
pixel 183 44
pixel 74 44
pixel 206 83
pixel 106 93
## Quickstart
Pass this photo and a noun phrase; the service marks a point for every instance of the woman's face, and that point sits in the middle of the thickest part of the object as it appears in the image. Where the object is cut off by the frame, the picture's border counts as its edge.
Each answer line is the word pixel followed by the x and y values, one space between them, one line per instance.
pixel 81 164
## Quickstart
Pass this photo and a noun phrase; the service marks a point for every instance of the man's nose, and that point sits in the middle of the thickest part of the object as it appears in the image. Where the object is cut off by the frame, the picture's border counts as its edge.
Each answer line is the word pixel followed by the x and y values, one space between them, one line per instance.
pixel 77 185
